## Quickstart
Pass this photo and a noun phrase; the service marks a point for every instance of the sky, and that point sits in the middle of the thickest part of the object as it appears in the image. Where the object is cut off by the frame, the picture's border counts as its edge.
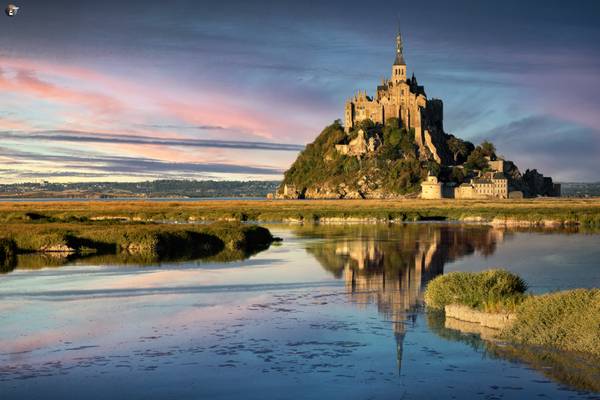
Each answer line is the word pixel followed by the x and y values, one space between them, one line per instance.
pixel 141 90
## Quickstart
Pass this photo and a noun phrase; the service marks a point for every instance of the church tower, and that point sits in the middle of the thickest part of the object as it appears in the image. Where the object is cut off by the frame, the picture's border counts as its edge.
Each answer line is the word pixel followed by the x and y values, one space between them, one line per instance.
pixel 399 67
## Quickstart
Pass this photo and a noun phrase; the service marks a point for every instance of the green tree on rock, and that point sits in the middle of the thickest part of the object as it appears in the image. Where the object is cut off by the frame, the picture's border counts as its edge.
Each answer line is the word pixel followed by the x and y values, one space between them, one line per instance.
pixel 488 149
pixel 476 160
pixel 459 148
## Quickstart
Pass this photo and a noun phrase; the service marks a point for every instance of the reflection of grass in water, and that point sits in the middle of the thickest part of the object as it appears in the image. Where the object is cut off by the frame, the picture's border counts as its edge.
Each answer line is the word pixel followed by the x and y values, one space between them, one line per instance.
pixel 42 260
pixel 48 260
pixel 436 323
pixel 576 370
pixel 8 252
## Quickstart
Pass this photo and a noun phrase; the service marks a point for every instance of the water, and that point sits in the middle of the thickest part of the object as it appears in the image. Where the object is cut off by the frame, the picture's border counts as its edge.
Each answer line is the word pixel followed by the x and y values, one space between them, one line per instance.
pixel 332 312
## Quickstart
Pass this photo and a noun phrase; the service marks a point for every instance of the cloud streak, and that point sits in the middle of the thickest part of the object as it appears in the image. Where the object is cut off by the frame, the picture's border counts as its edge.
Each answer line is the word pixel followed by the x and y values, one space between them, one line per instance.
pixel 95 137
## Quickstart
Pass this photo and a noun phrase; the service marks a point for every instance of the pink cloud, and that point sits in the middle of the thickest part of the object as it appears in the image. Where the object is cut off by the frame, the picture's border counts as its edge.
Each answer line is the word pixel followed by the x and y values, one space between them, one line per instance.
pixel 14 124
pixel 131 102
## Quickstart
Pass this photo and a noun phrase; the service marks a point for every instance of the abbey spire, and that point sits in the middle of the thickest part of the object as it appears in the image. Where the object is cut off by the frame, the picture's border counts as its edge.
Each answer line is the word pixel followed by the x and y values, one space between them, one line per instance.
pixel 399 67
pixel 399 50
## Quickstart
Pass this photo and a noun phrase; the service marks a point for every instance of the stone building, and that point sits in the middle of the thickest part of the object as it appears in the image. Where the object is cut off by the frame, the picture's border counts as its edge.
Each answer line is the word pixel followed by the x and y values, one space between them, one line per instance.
pixel 431 188
pixel 490 185
pixel 404 99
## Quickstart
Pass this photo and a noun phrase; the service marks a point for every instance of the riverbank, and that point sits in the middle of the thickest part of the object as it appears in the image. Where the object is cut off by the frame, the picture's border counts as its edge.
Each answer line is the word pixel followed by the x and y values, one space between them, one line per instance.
pixel 529 212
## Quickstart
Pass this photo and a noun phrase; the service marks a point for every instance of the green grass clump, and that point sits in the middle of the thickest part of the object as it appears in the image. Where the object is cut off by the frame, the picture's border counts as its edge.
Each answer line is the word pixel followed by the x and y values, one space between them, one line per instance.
pixel 569 320
pixel 491 290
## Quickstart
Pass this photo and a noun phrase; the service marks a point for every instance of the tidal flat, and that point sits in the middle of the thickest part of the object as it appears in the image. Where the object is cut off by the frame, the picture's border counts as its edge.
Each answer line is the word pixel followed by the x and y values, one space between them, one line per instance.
pixel 333 311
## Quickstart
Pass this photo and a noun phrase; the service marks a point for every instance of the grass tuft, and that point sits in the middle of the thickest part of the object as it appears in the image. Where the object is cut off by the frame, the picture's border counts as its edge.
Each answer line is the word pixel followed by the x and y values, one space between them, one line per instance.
pixel 492 290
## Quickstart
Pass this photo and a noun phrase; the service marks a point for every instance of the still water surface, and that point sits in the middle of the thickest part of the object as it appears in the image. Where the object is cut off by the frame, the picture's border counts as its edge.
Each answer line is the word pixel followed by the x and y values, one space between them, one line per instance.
pixel 332 312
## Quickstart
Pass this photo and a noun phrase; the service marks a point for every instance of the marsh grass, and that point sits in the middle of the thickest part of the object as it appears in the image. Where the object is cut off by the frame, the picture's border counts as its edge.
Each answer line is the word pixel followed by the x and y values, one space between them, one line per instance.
pixel 585 212
pixel 569 320
pixel 493 290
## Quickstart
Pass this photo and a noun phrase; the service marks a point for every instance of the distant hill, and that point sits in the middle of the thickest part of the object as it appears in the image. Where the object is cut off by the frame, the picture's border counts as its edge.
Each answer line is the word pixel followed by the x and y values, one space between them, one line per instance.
pixel 149 189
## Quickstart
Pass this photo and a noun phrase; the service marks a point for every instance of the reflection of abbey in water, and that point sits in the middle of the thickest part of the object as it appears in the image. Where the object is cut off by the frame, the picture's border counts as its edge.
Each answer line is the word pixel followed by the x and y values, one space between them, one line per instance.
pixel 390 266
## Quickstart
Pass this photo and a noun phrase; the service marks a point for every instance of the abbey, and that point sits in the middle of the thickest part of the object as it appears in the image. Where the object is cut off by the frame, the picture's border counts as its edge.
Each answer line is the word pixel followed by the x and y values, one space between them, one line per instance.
pixel 402 98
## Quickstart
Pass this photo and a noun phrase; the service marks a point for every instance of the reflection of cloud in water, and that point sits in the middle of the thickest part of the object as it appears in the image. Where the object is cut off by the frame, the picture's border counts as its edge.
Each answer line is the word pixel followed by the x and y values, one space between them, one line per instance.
pixel 390 267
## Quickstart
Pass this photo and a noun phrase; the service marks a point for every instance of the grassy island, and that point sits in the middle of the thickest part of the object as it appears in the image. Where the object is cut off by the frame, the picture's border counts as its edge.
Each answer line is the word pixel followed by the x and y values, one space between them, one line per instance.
pixel 567 320
pixel 135 242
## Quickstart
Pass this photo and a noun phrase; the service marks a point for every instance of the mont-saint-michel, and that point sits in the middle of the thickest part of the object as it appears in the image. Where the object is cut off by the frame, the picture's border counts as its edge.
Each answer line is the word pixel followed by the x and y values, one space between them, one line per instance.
pixel 405 256
pixel 393 145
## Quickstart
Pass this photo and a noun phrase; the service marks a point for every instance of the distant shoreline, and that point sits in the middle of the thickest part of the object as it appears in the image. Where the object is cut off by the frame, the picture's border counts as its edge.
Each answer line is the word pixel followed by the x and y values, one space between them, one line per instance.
pixel 111 199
